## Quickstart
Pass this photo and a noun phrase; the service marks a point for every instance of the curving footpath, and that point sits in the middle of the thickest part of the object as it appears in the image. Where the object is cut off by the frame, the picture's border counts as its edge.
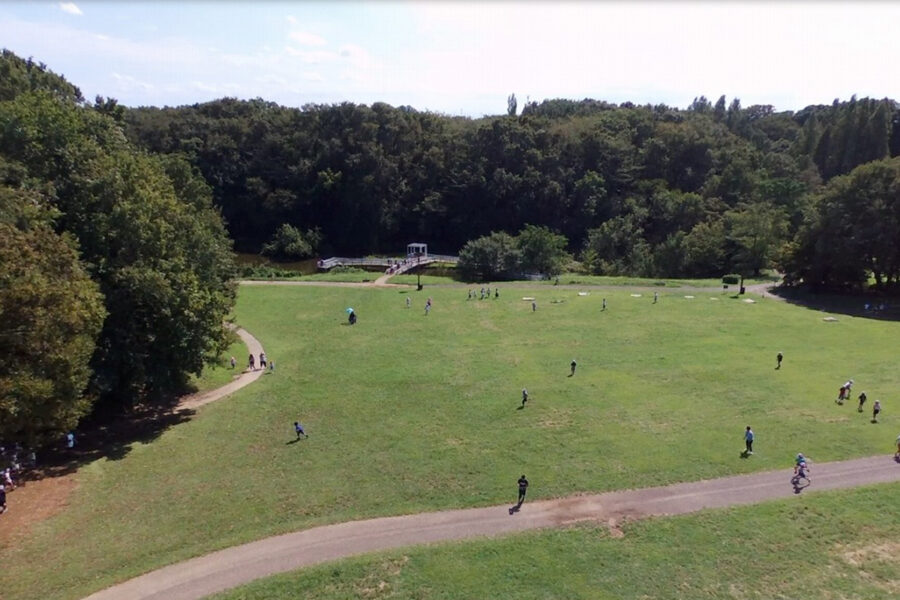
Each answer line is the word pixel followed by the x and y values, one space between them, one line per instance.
pixel 246 378
pixel 225 569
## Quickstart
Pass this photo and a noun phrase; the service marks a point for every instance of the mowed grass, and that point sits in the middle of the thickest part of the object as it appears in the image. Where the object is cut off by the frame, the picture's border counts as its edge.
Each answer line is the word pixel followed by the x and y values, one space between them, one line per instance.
pixel 408 412
pixel 219 372
pixel 831 545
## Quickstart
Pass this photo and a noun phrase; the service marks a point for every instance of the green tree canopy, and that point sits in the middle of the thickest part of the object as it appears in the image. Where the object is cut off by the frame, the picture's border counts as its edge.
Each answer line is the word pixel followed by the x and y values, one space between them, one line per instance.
pixel 50 315
pixel 542 251
pixel 494 256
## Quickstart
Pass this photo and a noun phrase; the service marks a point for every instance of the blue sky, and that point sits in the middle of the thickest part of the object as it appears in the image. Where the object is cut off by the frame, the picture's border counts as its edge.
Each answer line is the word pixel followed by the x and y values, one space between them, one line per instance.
pixel 462 58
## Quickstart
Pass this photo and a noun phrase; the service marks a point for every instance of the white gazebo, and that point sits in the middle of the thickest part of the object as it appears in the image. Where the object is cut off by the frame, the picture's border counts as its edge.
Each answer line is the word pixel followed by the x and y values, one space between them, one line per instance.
pixel 416 249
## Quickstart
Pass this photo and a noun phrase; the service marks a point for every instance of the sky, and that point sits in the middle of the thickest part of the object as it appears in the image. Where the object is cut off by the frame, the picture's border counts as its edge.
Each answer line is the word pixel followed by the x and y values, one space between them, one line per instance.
pixel 463 58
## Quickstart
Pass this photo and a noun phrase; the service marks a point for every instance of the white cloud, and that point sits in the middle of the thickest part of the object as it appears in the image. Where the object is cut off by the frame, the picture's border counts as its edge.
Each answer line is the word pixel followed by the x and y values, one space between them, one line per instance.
pixel 71 8
pixel 306 38
pixel 128 83
pixel 357 56
pixel 313 57
pixel 292 19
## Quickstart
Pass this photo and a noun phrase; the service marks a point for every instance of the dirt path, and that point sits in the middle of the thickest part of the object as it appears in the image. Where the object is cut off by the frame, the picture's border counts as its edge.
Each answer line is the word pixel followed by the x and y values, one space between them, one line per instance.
pixel 235 566
pixel 246 378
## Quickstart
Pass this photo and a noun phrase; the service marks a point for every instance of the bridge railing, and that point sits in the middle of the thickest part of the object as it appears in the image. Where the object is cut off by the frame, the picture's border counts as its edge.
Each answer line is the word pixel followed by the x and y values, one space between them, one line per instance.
pixel 407 263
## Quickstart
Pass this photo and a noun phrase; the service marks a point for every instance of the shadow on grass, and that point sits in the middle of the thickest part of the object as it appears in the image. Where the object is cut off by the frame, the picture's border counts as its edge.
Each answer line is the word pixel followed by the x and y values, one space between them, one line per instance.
pixel 843 304
pixel 108 436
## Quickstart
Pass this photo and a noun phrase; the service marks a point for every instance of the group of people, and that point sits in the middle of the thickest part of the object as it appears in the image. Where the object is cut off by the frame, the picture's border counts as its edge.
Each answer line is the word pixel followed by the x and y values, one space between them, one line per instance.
pixel 844 394
pixel 485 293
pixel 15 461
pixel 252 364
pixel 396 265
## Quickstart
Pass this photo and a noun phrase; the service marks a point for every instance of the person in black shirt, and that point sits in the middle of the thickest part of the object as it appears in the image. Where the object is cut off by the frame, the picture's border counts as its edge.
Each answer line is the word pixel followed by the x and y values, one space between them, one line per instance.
pixel 779 358
pixel 523 487
pixel 573 364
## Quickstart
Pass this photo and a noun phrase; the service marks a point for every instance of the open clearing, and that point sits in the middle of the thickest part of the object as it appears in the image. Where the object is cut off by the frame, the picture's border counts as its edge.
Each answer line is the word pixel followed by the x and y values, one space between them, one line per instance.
pixel 409 413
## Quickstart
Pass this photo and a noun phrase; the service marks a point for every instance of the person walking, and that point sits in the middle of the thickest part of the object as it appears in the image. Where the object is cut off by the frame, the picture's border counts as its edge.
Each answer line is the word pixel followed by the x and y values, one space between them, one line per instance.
pixel 778 358
pixel 876 408
pixel 604 304
pixel 524 397
pixel 233 362
pixel 496 293
pixel 573 364
pixel 251 362
pixel 2 500
pixel 533 306
pixel 748 440
pixel 523 487
pixel 298 429
pixel 655 297
pixel 262 361
pixel 408 302
pixel 897 454
pixel 862 400
pixel 70 440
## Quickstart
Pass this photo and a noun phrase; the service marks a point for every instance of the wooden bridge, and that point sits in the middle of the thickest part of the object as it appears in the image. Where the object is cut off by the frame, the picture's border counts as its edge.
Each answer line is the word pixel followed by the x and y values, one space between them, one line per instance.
pixel 394 266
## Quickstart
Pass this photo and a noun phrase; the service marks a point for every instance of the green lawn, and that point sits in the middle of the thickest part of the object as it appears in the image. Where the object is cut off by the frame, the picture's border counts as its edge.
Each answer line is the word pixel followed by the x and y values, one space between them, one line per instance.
pixel 832 545
pixel 409 413
pixel 220 372
pixel 588 280
pixel 579 279
pixel 351 276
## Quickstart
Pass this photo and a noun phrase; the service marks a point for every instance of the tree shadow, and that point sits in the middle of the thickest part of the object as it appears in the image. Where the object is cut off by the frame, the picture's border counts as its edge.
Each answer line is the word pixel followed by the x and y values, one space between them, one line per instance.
pixel 109 436
pixel 850 304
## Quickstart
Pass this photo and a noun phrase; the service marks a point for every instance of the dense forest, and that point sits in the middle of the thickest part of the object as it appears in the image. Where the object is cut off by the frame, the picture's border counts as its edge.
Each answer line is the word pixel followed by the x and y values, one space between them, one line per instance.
pixel 116 224
pixel 115 268
pixel 647 190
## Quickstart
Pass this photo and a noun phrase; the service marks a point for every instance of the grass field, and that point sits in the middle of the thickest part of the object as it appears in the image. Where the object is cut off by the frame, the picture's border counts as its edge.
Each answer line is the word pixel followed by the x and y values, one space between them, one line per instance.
pixel 220 372
pixel 586 280
pixel 832 545
pixel 409 413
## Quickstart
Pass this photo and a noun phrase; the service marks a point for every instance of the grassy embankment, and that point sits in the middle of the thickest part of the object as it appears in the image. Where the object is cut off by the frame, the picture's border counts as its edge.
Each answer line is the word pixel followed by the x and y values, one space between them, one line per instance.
pixel 410 413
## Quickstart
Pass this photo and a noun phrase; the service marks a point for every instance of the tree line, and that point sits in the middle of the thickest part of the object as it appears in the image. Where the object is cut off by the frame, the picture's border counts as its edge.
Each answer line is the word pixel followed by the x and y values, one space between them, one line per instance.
pixel 115 267
pixel 638 190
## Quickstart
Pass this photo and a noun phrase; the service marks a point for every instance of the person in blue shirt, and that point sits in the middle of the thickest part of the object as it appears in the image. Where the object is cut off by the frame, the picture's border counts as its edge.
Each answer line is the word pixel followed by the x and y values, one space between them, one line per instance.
pixel 801 468
pixel 748 440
